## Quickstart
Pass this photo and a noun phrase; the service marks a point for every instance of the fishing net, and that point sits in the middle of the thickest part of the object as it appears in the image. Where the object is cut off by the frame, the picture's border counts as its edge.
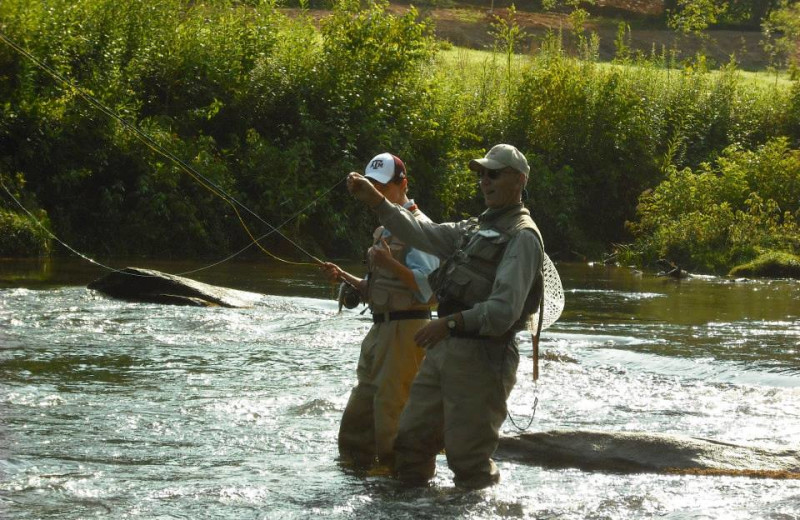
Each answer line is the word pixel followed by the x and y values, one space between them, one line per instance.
pixel 553 297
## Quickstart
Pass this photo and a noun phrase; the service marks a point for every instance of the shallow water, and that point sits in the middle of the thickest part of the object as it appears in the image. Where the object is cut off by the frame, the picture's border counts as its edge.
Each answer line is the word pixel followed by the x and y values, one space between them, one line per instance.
pixel 113 409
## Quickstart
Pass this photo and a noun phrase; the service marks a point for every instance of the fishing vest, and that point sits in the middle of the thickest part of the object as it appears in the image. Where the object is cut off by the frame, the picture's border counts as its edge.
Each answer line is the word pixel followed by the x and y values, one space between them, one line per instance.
pixel 386 292
pixel 467 277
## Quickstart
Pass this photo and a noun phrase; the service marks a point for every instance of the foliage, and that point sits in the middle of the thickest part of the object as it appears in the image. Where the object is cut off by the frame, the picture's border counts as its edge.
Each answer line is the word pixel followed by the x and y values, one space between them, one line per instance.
pixel 20 235
pixel 692 16
pixel 273 111
pixel 724 214
pixel 782 36
pixel 570 4
pixel 507 36
pixel 750 12
pixel 266 107
pixel 773 264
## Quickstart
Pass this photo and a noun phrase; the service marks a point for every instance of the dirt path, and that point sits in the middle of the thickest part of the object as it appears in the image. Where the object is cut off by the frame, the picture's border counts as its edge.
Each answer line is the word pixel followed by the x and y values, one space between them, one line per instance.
pixel 469 26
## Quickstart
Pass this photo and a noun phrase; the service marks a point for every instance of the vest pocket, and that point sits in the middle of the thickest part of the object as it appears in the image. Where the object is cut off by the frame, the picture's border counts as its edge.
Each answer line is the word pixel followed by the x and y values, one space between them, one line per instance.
pixel 379 296
pixel 467 287
pixel 489 249
pixel 384 299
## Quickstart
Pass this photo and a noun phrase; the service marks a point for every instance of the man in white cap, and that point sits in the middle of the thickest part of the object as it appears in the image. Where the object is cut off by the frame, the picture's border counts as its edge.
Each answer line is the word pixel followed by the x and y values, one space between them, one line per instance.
pixel 489 284
pixel 399 296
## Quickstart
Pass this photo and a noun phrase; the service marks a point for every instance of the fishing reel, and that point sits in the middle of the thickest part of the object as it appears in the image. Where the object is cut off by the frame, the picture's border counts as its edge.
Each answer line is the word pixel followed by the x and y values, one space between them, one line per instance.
pixel 349 296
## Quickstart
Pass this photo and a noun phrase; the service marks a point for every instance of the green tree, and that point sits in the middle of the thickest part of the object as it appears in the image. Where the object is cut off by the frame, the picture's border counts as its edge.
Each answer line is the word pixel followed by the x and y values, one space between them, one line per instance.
pixel 693 16
pixel 723 213
pixel 782 36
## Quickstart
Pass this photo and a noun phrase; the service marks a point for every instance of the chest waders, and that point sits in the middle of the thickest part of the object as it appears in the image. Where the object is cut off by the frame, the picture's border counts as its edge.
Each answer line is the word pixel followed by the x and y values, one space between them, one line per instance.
pixel 388 361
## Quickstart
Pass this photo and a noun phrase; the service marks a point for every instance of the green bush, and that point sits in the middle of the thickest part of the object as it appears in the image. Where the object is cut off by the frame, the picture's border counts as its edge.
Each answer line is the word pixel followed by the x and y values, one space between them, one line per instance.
pixel 265 106
pixel 724 214
pixel 275 112
pixel 19 236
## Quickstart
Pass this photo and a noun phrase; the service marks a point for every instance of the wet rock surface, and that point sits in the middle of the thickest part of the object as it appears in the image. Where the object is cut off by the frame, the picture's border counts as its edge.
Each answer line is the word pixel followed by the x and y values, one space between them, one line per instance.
pixel 648 452
pixel 148 285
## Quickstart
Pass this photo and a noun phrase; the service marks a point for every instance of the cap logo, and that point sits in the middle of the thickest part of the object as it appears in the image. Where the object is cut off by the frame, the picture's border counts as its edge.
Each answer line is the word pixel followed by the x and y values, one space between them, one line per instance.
pixel 376 164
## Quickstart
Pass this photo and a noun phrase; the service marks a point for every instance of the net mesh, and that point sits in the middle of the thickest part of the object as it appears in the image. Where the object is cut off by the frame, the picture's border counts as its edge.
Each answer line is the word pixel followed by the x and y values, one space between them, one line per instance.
pixel 553 297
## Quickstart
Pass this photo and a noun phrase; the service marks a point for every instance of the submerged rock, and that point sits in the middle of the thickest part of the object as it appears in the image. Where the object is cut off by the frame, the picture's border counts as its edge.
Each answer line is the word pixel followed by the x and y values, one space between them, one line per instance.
pixel 147 285
pixel 648 452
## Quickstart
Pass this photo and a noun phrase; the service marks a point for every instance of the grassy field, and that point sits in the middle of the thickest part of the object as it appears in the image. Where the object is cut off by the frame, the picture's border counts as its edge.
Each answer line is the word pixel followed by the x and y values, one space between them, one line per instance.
pixel 456 58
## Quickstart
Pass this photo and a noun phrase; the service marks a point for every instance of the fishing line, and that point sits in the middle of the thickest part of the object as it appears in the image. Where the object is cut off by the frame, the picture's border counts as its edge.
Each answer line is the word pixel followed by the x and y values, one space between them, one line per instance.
pixel 262 237
pixel 194 174
pixel 100 264
pixel 38 223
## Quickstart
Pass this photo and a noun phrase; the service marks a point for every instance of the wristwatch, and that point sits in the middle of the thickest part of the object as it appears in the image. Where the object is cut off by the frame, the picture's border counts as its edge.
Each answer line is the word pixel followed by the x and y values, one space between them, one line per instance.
pixel 452 324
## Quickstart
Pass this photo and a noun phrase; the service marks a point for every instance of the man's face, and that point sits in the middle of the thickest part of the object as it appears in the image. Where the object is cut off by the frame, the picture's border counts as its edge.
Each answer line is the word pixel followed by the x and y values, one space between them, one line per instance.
pixel 500 187
pixel 393 191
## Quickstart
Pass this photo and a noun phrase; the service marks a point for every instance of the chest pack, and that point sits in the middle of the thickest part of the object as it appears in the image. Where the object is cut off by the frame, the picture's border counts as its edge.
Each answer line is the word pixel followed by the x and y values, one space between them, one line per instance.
pixel 467 276
pixel 385 291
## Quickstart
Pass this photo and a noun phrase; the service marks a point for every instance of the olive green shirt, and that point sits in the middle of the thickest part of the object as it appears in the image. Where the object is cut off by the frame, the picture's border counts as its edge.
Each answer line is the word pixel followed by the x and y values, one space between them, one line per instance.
pixel 516 272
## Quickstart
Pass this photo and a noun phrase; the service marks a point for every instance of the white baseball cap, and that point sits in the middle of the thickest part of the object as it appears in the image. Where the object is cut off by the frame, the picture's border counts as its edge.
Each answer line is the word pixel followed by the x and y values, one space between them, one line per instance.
pixel 384 167
pixel 502 156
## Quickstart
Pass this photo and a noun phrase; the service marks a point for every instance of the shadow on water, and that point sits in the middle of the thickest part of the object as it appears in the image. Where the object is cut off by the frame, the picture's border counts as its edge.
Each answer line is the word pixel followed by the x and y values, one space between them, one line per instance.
pixel 72 369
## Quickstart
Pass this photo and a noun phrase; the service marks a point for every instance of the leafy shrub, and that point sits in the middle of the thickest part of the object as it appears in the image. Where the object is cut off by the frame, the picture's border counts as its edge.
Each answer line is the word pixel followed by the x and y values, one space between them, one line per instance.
pixel 726 213
pixel 276 111
pixel 265 106
pixel 20 235
pixel 770 265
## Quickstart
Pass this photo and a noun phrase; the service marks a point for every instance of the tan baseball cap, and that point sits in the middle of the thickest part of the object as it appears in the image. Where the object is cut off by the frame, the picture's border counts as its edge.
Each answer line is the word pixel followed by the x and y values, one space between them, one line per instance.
pixel 502 156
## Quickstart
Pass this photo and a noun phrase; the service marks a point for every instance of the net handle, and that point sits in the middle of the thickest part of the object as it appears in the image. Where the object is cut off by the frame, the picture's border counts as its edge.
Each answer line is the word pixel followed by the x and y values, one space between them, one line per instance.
pixel 535 340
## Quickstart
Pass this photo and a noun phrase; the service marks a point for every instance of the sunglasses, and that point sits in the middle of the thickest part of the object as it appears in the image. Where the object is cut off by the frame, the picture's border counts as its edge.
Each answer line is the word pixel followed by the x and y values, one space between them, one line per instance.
pixel 492 174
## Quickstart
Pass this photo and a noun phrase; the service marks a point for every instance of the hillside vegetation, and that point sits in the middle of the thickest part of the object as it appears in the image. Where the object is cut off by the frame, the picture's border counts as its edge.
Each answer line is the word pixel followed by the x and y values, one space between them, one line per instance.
pixel 274 109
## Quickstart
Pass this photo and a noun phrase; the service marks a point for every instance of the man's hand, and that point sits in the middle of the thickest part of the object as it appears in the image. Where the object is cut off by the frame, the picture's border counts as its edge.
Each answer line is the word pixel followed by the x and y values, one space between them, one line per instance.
pixel 332 271
pixel 432 333
pixel 381 255
pixel 363 190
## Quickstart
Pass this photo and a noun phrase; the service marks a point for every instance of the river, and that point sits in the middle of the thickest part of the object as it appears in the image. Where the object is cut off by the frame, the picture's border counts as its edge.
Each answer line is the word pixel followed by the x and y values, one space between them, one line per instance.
pixel 111 409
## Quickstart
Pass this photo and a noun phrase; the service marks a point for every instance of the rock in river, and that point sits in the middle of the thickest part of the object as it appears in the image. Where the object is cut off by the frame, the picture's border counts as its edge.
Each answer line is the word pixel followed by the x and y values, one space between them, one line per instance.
pixel 648 452
pixel 147 285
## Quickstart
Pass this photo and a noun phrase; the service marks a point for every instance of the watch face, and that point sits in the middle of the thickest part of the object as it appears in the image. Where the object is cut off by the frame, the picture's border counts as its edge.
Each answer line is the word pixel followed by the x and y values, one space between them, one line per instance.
pixel 451 324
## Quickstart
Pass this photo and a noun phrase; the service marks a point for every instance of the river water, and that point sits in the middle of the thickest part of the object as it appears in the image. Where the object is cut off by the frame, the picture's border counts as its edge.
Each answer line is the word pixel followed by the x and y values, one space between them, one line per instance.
pixel 111 409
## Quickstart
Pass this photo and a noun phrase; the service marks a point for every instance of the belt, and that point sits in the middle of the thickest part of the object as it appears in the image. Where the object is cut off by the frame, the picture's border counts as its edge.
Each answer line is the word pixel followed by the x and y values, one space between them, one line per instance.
pixel 380 317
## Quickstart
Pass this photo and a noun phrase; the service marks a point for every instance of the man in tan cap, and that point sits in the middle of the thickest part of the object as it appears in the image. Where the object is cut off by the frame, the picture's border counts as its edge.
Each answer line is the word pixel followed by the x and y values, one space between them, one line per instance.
pixel 398 293
pixel 488 286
